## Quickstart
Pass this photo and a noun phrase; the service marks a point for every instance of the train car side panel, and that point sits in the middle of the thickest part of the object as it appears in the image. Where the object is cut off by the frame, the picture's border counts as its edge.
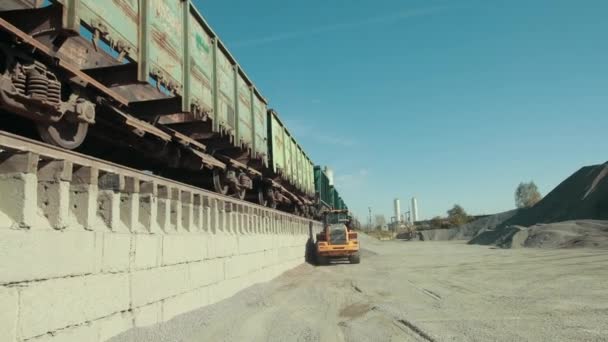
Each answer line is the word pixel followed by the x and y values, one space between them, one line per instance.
pixel 289 176
pixel 261 133
pixel 310 190
pixel 244 113
pixel 10 5
pixel 117 20
pixel 226 111
pixel 201 69
pixel 166 39
pixel 277 144
pixel 300 168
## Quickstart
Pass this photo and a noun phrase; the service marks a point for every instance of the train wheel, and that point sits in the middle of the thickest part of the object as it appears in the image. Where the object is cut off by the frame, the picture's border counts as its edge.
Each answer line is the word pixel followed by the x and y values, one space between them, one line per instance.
pixel 240 194
pixel 66 134
pixel 218 182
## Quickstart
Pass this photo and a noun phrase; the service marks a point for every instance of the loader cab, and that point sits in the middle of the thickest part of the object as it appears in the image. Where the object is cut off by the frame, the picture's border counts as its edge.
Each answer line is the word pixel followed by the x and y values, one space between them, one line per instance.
pixel 338 217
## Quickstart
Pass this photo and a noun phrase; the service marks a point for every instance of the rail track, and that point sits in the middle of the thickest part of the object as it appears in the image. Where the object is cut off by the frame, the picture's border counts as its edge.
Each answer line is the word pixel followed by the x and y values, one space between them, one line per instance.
pixel 32 155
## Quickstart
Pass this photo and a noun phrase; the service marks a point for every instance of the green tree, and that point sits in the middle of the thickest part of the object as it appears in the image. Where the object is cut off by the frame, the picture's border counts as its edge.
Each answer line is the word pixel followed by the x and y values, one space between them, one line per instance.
pixel 527 195
pixel 457 216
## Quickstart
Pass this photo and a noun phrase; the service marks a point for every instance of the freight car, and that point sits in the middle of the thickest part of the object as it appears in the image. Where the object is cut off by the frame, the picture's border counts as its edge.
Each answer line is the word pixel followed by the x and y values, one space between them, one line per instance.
pixel 152 80
pixel 148 84
pixel 327 196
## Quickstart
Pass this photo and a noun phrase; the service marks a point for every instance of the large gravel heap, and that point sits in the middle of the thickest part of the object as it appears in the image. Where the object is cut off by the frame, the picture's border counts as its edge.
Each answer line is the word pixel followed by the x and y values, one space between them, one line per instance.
pixel 566 217
pixel 569 216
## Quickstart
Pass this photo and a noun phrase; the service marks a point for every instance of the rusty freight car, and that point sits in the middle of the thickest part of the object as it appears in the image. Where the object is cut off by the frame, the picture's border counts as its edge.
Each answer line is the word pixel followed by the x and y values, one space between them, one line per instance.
pixel 148 84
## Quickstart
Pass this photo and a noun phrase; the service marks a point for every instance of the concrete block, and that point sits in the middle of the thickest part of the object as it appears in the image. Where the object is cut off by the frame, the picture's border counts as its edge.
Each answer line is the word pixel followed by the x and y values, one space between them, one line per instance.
pixel 109 203
pixel 233 267
pixel 84 194
pixel 205 273
pixel 187 211
pixel 71 301
pixel 252 243
pixel 9 311
pixel 183 248
pixel 164 214
pixel 19 198
pixel 197 213
pixel 148 314
pixel 148 286
pixel 207 219
pixel 222 245
pixel 54 203
pixel 85 332
pixel 270 257
pixel 83 205
pixel 129 212
pixel 233 224
pixel 116 252
pixel 109 327
pixel 148 249
pixel 176 210
pixel 221 221
pixel 186 302
pixel 148 211
pixel 30 255
pixel 240 265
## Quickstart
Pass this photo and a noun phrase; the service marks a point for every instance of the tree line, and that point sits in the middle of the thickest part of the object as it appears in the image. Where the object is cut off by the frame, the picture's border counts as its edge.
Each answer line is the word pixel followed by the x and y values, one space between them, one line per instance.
pixel 526 196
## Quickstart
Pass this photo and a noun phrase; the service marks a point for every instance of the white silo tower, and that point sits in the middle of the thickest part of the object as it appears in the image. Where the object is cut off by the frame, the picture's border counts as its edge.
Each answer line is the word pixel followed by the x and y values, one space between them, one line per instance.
pixel 414 210
pixel 397 205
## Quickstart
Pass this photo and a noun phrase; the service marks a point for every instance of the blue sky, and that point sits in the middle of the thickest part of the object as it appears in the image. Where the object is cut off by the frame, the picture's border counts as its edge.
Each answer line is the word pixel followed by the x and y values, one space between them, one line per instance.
pixel 448 101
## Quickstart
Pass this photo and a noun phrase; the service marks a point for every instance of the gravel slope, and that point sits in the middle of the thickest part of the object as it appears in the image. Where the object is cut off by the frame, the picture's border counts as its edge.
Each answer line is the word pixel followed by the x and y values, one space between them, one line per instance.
pixel 469 230
pixel 414 291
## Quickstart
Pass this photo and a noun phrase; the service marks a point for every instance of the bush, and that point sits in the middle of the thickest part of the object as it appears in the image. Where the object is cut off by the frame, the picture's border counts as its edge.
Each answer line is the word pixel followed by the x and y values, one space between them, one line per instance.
pixel 457 216
pixel 527 195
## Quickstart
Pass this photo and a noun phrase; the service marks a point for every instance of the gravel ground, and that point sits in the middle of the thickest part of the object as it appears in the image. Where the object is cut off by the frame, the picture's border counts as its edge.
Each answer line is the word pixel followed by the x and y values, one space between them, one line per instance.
pixel 414 291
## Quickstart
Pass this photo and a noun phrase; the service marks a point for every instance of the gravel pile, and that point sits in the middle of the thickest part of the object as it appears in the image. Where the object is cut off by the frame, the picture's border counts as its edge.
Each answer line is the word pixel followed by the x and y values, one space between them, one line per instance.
pixel 469 230
pixel 582 200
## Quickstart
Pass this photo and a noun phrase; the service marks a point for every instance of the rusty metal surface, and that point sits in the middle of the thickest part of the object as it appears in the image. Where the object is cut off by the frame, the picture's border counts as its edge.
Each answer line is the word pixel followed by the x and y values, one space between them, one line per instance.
pixel 214 104
pixel 5 25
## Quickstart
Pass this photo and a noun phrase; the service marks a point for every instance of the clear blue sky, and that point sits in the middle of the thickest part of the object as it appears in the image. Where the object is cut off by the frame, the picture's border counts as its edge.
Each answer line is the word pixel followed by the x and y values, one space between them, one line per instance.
pixel 448 101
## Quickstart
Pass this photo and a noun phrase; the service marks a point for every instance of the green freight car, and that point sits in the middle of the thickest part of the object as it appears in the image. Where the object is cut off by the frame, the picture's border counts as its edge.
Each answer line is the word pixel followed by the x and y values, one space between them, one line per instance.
pixel 289 163
pixel 159 90
pixel 323 190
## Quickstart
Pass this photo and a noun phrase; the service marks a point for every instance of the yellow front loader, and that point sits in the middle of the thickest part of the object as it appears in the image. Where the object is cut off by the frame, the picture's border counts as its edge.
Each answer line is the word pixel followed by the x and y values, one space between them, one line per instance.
pixel 337 240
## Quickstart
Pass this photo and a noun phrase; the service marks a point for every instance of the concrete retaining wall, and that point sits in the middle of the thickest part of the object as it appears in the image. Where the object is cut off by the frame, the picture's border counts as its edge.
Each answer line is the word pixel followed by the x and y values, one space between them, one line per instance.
pixel 86 254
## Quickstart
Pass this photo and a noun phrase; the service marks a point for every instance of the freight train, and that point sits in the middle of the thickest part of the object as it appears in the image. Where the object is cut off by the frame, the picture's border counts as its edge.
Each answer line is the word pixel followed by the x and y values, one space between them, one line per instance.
pixel 149 84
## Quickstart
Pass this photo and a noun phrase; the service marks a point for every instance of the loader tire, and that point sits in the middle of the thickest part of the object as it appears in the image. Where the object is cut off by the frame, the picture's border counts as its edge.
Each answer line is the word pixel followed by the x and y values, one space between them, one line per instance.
pixel 355 258
pixel 321 260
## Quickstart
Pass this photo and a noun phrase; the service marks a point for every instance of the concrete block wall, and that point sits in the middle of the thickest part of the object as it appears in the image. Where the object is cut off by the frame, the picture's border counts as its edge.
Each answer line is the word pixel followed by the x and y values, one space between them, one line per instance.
pixel 86 253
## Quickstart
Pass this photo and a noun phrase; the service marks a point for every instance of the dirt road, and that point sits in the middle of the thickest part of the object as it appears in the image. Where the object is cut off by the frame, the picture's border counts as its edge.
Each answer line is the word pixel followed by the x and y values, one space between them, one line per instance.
pixel 415 291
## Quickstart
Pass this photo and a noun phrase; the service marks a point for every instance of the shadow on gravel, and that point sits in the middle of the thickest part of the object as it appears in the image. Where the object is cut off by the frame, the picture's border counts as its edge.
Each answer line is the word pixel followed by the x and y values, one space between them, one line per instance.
pixel 309 253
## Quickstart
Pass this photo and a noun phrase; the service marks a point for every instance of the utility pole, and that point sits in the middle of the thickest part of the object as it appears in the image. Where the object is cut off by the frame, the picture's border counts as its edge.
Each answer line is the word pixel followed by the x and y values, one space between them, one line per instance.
pixel 370 218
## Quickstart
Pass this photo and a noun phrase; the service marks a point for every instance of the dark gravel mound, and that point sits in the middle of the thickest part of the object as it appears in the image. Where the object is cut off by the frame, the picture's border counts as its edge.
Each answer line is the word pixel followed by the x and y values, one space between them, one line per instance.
pixel 582 196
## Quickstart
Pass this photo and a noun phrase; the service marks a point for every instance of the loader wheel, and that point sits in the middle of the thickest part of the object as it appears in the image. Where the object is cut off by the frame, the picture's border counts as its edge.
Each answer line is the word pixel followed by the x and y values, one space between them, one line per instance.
pixel 321 260
pixel 354 259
